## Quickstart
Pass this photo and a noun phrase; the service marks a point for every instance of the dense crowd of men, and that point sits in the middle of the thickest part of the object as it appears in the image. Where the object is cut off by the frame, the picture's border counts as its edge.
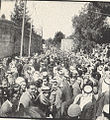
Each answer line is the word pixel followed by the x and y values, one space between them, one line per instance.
pixel 55 85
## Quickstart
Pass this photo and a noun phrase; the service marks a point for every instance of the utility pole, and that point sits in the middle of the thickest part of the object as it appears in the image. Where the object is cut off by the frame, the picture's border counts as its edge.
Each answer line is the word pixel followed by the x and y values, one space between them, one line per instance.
pixel 22 35
pixel 42 32
pixel 0 4
pixel 29 50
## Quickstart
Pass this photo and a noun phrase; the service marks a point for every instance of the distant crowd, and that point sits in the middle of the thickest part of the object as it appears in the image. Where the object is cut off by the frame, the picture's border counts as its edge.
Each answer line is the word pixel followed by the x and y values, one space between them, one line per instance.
pixel 56 84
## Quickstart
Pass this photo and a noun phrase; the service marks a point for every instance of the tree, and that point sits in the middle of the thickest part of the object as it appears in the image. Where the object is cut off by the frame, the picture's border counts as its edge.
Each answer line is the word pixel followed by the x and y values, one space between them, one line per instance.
pixel 3 16
pixel 49 43
pixel 103 6
pixel 90 25
pixel 17 14
pixel 57 38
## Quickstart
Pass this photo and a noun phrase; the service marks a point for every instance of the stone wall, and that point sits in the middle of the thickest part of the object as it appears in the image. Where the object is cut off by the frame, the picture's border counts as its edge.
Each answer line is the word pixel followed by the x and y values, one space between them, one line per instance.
pixel 10 40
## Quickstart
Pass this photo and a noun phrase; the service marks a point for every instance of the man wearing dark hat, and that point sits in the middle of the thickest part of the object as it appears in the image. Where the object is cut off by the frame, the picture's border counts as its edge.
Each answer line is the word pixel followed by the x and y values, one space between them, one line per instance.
pixel 55 99
pixel 66 93
pixel 42 101
pixel 76 87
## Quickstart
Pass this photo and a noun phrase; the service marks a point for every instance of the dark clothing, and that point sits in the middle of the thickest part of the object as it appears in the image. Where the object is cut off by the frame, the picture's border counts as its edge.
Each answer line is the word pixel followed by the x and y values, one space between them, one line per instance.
pixel 87 112
pixel 66 97
pixel 76 89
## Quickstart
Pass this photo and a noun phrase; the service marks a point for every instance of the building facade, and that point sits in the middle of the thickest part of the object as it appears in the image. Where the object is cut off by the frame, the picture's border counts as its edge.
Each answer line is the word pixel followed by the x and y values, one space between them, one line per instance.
pixel 69 44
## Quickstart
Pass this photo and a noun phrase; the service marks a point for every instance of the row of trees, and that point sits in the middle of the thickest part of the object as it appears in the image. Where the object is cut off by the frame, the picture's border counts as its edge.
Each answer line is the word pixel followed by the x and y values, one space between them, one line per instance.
pixel 91 26
pixel 17 17
pixel 56 41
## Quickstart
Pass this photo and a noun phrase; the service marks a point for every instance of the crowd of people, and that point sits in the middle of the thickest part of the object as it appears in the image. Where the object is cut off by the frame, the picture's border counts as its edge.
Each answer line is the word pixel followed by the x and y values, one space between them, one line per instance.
pixel 56 84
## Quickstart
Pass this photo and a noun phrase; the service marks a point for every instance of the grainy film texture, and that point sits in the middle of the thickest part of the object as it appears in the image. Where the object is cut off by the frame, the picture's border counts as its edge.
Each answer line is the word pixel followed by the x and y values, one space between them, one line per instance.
pixel 54 59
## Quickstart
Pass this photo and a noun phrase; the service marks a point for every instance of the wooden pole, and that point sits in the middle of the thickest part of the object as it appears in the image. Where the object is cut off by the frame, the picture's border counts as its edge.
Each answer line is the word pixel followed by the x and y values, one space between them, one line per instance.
pixel 22 35
pixel 0 4
pixel 29 50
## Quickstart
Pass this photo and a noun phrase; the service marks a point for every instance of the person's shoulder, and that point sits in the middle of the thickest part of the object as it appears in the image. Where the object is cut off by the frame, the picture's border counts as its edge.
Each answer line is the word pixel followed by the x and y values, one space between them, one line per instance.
pixel 25 95
pixel 75 85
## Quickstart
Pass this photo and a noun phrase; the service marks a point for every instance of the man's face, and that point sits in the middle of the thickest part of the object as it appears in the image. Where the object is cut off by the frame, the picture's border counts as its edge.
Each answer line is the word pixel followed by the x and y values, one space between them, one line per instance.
pixel 72 81
pixel 55 86
pixel 32 89
pixel 85 80
pixel 86 76
pixel 45 81
pixel 46 94
pixel 100 68
pixel 4 84
pixel 108 75
pixel 95 90
pixel 23 85
pixel 72 69
pixel 78 80
pixel 0 92
pixel 61 72
pixel 10 78
pixel 15 98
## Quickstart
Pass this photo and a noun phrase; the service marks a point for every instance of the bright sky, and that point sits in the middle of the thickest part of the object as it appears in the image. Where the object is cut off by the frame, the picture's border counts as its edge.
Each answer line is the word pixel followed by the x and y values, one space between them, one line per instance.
pixel 50 16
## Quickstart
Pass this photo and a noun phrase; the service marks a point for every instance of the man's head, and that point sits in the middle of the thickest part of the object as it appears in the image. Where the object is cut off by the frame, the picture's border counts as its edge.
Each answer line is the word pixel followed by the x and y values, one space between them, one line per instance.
pixel 87 89
pixel 95 87
pixel 61 72
pixel 5 83
pixel 78 80
pixel 23 85
pixel 72 68
pixel 54 83
pixel 10 78
pixel 32 88
pixel 72 81
pixel 46 91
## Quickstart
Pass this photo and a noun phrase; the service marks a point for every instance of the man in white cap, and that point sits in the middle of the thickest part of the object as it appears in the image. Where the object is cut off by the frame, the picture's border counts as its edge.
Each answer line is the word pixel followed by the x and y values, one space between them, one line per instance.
pixel 28 96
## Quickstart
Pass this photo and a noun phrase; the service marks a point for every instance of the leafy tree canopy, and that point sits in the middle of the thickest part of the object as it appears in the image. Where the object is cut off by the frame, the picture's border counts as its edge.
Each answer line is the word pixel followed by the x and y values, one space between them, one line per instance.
pixel 91 26
pixel 17 14
pixel 57 38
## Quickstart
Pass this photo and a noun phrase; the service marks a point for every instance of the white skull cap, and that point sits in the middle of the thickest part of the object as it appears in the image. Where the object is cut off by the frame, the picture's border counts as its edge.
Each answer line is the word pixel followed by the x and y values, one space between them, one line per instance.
pixel 19 80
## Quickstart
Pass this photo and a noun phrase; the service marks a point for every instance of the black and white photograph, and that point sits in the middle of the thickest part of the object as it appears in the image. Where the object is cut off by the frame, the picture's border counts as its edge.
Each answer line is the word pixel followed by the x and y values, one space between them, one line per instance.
pixel 54 59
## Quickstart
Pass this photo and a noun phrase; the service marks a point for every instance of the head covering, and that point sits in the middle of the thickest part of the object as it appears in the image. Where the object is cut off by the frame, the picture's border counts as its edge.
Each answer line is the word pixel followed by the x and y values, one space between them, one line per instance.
pixel 74 110
pixel 45 88
pixel 107 81
pixel 6 107
pixel 54 80
pixel 87 88
pixel 19 80
pixel 106 111
pixel 36 75
pixel 106 108
pixel 44 74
